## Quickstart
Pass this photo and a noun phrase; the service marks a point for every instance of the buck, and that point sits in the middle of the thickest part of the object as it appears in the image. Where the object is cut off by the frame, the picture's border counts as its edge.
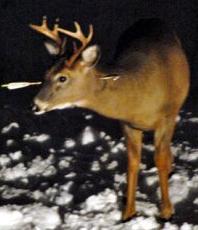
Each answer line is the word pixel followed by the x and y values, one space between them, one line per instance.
pixel 144 88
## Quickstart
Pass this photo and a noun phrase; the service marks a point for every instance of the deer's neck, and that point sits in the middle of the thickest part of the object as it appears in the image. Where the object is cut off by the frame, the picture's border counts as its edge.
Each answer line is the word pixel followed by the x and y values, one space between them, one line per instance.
pixel 112 95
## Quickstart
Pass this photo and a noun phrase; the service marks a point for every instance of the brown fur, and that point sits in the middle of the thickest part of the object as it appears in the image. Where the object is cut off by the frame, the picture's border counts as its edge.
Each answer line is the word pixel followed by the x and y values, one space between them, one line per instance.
pixel 152 85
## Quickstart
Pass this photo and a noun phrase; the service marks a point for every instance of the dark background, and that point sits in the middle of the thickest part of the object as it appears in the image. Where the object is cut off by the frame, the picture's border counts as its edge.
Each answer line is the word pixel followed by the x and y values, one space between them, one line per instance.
pixel 23 56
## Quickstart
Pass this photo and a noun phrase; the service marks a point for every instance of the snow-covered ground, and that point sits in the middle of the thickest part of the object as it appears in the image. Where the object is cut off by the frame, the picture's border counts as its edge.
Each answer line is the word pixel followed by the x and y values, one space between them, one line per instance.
pixel 67 170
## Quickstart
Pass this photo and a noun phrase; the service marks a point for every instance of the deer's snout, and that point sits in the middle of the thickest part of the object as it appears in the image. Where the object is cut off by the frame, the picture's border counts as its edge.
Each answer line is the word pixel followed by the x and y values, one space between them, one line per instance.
pixel 35 108
pixel 39 106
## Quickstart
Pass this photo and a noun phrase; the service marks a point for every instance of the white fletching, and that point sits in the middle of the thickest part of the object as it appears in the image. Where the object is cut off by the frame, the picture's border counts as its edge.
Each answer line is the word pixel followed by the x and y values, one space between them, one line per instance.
pixel 18 85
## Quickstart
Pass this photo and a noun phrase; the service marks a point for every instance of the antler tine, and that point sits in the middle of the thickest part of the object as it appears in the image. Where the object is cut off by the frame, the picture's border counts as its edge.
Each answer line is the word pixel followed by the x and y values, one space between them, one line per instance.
pixel 90 32
pixel 78 34
pixel 44 29
pixel 54 35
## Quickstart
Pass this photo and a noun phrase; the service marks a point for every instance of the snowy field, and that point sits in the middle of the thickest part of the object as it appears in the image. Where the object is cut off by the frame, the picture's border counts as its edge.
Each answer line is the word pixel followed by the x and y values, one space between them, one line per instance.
pixel 67 170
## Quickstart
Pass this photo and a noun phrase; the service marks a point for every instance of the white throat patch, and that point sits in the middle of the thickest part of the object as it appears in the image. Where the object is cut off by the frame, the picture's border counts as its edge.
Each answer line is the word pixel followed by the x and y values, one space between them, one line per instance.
pixel 81 104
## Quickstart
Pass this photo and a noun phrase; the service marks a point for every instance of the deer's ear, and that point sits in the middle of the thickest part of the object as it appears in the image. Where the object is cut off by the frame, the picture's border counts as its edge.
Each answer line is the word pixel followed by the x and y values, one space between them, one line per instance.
pixel 91 55
pixel 52 48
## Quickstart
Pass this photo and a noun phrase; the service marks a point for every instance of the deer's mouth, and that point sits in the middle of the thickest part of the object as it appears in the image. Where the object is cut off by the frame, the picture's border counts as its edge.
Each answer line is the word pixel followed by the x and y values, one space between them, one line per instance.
pixel 37 111
pixel 39 107
pixel 42 107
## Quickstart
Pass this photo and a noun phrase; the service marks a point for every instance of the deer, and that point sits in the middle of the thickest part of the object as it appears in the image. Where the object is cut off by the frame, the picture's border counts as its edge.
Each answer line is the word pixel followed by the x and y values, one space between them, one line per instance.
pixel 143 88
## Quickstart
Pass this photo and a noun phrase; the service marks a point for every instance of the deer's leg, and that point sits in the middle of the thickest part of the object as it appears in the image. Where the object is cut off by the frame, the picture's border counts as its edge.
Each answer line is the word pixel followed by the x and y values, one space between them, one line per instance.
pixel 163 160
pixel 133 141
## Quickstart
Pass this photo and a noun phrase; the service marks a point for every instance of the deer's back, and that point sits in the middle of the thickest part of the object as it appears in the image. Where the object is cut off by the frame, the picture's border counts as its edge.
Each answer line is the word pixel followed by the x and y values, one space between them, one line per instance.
pixel 140 40
pixel 154 73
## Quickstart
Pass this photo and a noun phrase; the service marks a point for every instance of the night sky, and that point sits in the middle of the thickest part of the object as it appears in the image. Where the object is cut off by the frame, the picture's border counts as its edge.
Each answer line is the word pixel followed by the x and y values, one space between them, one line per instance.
pixel 23 56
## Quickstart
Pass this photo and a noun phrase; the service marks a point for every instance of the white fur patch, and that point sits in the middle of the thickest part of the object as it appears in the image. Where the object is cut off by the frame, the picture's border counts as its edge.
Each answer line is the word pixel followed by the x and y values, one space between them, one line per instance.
pixel 52 48
pixel 41 105
pixel 40 112
pixel 69 105
pixel 61 106
pixel 90 54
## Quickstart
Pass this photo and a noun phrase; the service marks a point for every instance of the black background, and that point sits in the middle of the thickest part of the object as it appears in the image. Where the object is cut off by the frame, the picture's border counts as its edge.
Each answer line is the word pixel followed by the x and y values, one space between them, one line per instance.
pixel 23 56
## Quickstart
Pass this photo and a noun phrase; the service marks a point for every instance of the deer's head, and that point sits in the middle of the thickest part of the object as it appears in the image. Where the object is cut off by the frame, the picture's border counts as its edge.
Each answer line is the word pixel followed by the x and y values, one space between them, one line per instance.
pixel 71 82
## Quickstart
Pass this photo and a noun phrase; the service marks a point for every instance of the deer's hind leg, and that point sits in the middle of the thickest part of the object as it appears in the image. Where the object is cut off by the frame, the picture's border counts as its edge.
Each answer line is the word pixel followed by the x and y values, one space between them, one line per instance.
pixel 134 144
pixel 163 160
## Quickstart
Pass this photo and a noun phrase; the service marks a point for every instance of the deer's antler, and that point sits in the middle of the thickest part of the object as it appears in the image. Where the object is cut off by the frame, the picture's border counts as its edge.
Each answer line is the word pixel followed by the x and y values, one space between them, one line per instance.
pixel 44 29
pixel 54 35
pixel 78 34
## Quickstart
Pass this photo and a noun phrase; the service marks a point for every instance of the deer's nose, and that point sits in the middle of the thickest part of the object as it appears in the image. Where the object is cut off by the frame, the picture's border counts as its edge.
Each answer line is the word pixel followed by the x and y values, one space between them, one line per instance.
pixel 39 107
pixel 35 108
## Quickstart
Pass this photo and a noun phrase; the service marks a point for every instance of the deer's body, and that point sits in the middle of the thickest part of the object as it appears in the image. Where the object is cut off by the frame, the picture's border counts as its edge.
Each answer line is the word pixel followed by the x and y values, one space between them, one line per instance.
pixel 153 82
pixel 143 97
pixel 144 89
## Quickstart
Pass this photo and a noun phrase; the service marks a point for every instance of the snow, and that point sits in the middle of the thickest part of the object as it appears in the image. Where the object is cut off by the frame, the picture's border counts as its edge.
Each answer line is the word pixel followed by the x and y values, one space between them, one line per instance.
pixel 10 142
pixel 38 166
pixel 104 157
pixel 147 208
pixel 169 226
pixel 63 186
pixel 39 217
pixel 15 173
pixel 10 219
pixel 16 156
pixel 43 167
pixel 120 178
pixel 152 180
pixel 43 217
pixel 179 188
pixel 36 138
pixel 190 156
pixel 99 148
pixel 102 134
pixel 95 166
pixel 151 170
pixel 112 165
pixel 193 119
pixel 106 199
pixel 64 164
pixel 94 211
pixel 195 201
pixel 9 128
pixel 88 136
pixel 64 198
pixel 194 182
pixel 4 160
pixel 186 226
pixel 88 116
pixel 118 147
pixel 149 147
pixel 69 143
pixel 70 175
pixel 142 223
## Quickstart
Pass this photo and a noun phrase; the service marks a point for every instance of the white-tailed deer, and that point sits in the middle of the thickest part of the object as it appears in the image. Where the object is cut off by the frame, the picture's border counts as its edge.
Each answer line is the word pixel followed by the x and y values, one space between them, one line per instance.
pixel 144 89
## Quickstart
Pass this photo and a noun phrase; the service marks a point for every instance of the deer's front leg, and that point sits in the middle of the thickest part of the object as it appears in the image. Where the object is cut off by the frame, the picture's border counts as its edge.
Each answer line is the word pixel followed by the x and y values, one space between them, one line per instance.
pixel 133 141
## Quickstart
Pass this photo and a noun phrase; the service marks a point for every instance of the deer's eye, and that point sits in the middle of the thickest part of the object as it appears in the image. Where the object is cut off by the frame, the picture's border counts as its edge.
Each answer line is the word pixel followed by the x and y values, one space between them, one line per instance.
pixel 62 79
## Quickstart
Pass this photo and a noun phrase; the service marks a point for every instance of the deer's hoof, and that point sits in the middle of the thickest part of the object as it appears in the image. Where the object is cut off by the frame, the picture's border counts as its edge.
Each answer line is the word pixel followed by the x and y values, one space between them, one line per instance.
pixel 167 212
pixel 128 214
